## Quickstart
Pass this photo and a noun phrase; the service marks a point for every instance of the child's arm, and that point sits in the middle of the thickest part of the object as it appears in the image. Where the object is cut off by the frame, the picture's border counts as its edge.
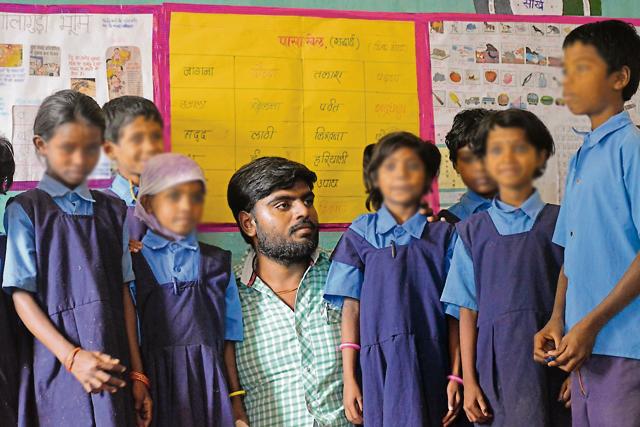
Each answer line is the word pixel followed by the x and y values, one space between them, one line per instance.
pixel 576 346
pixel 94 370
pixel 231 371
pixel 351 334
pixel 141 397
pixel 475 404
pixel 454 392
pixel 549 337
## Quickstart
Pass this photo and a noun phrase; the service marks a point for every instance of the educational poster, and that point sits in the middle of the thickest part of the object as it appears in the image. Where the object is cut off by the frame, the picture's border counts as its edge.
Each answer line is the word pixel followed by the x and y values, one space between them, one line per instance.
pixel 499 65
pixel 43 53
pixel 315 90
pixel 539 7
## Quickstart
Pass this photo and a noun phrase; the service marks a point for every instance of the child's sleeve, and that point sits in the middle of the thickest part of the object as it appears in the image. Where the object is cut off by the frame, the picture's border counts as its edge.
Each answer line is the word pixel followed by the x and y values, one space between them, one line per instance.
pixel 127 264
pixel 451 309
pixel 346 273
pixel 560 232
pixel 460 287
pixel 20 271
pixel 631 176
pixel 233 329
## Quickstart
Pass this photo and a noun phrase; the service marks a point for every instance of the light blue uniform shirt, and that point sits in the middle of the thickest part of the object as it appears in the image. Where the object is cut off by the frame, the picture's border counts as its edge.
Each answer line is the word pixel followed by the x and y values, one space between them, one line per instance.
pixel 20 268
pixel 460 287
pixel 120 186
pixel 470 203
pixel 180 260
pixel 379 230
pixel 598 226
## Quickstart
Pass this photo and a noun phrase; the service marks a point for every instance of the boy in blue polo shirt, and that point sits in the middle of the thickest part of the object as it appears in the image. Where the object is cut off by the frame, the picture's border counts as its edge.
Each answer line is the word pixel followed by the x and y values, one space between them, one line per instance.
pixel 460 140
pixel 593 331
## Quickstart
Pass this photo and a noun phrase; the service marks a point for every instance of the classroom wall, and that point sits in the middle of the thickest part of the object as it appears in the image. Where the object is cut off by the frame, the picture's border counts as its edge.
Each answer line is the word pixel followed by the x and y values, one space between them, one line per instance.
pixel 233 241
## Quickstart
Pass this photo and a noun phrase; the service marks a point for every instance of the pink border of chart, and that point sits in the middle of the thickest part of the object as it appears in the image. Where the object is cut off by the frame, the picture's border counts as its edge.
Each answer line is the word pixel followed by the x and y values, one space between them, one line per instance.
pixel 421 54
pixel 98 9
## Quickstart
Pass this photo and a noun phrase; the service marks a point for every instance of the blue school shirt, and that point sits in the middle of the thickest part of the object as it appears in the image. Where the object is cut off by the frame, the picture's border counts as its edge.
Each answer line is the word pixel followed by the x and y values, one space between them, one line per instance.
pixel 120 186
pixel 470 203
pixel 599 227
pixel 180 260
pixel 460 287
pixel 21 271
pixel 344 280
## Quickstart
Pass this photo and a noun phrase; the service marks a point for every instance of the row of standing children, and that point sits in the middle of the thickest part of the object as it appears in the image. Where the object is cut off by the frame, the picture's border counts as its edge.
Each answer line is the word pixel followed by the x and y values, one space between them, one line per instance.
pixel 68 268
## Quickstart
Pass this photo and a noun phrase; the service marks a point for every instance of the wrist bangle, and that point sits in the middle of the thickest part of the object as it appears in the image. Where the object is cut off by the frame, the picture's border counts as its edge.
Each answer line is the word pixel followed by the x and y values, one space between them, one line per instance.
pixel 140 377
pixel 349 345
pixel 238 393
pixel 71 357
pixel 455 379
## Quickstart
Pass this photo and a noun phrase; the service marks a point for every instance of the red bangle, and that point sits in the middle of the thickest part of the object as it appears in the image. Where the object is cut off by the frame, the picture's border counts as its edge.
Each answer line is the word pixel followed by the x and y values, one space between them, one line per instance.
pixel 140 377
pixel 71 357
pixel 455 379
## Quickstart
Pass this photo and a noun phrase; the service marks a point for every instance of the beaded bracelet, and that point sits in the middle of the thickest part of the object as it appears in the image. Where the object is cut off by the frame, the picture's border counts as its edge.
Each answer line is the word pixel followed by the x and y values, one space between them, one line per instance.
pixel 140 377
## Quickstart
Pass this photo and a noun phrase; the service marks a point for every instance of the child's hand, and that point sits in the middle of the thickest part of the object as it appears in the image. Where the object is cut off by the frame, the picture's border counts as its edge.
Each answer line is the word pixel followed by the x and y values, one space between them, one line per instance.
pixel 135 246
pixel 454 401
pixel 95 371
pixel 142 403
pixel 547 339
pixel 353 401
pixel 239 414
pixel 574 348
pixel 565 393
pixel 475 404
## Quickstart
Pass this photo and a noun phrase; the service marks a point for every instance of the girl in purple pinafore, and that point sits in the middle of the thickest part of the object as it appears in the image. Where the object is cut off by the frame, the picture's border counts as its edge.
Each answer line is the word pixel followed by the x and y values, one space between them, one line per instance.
pixel 67 268
pixel 388 271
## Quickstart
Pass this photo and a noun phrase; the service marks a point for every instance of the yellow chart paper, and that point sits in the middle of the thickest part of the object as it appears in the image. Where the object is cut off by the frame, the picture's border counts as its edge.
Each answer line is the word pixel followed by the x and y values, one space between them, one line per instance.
pixel 315 90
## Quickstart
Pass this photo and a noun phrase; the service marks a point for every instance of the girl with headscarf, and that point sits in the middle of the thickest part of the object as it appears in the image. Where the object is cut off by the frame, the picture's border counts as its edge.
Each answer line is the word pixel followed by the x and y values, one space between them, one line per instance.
pixel 187 302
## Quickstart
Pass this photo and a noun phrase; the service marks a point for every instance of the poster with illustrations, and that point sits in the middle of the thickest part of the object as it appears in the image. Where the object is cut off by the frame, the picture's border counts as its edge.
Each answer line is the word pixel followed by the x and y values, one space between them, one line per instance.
pixel 499 65
pixel 41 53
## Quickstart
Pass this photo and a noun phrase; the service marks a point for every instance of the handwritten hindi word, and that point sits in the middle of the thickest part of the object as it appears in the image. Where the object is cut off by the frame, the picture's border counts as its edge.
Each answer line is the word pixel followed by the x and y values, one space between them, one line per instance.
pixel 331 159
pixel 299 41
pixel 324 135
pixel 262 135
pixel 75 24
pixel 258 105
pixel 333 106
pixel 352 41
pixel 31 23
pixel 196 134
pixel 198 71
pixel 193 105
pixel 328 75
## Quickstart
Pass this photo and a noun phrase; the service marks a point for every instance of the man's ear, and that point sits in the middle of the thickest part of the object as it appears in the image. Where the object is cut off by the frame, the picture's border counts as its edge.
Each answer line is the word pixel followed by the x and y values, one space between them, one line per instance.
pixel 110 149
pixel 247 224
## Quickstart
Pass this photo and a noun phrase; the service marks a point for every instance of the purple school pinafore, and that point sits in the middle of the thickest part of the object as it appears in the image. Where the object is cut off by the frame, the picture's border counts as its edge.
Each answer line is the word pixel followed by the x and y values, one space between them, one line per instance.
pixel 403 329
pixel 182 330
pixel 8 355
pixel 137 229
pixel 516 277
pixel 80 288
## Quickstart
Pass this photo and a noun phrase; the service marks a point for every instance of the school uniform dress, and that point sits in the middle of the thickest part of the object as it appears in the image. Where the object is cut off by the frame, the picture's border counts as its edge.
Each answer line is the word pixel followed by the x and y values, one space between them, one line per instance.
pixel 70 249
pixel 599 227
pixel 121 189
pixel 188 305
pixel 9 353
pixel 469 204
pixel 397 272
pixel 506 268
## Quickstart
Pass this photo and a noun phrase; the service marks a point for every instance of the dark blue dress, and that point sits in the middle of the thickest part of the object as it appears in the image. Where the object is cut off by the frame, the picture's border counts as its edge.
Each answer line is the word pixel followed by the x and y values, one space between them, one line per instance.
pixel 182 331
pixel 137 228
pixel 79 264
pixel 8 355
pixel 403 328
pixel 516 277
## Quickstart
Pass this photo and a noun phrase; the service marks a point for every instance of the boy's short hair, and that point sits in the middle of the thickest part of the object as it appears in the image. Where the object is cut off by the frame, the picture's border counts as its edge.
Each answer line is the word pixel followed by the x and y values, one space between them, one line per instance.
pixel 258 179
pixel 618 44
pixel 388 144
pixel 121 111
pixel 463 131
pixel 7 165
pixel 536 132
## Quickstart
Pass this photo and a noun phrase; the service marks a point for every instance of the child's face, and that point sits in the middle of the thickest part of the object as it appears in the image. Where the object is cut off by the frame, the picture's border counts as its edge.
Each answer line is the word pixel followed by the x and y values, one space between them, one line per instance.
pixel 179 208
pixel 510 159
pixel 588 88
pixel 72 152
pixel 402 178
pixel 138 142
pixel 473 173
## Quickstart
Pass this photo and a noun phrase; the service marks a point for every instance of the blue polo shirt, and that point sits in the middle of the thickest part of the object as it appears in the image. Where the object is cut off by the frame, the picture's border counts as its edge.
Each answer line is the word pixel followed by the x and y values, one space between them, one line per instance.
pixel 120 186
pixel 470 203
pixel 598 226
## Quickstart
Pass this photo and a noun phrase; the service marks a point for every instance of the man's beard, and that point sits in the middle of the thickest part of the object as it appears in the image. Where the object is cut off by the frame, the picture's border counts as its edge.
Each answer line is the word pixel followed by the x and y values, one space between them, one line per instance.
pixel 284 250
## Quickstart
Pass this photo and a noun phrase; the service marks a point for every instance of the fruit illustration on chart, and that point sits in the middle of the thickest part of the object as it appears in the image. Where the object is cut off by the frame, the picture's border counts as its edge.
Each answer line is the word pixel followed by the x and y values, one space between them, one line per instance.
pixel 454 98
